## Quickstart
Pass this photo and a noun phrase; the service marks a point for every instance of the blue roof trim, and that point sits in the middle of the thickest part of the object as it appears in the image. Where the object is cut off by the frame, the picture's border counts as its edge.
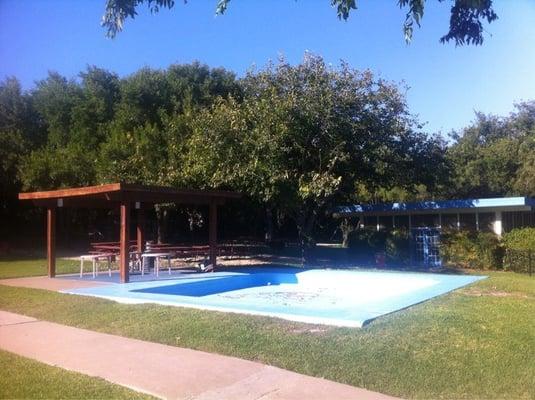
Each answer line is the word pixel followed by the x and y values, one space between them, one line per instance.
pixel 438 205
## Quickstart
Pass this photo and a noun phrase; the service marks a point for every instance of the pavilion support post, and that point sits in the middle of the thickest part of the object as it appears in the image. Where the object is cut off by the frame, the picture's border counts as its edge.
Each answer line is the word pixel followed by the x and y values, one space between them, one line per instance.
pixel 124 258
pixel 51 241
pixel 212 234
pixel 140 231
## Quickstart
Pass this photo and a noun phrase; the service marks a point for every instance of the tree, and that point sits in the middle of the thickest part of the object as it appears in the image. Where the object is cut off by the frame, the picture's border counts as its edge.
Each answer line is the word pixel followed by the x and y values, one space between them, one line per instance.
pixel 305 137
pixel 95 108
pixel 495 156
pixel 20 131
pixel 76 115
pixel 51 168
pixel 466 16
pixel 147 138
pixel 55 98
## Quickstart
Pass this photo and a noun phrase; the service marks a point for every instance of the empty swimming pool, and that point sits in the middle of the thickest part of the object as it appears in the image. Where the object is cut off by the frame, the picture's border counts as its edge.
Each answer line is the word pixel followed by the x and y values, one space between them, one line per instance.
pixel 321 296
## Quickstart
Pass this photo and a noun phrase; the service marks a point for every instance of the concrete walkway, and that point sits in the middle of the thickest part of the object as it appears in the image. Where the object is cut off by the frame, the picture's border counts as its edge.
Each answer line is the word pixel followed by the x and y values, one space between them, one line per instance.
pixel 56 284
pixel 163 371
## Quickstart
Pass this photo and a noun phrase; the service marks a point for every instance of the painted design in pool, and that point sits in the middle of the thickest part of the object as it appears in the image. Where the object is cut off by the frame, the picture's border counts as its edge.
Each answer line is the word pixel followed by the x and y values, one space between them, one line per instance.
pixel 321 296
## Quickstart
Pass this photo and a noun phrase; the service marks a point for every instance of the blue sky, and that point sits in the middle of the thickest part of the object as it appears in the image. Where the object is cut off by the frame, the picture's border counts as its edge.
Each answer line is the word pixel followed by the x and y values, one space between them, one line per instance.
pixel 446 83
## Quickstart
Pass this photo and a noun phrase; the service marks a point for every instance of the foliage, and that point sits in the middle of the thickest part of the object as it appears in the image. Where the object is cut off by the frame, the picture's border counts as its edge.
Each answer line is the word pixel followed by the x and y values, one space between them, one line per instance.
pixel 50 168
pixel 397 246
pixel 519 261
pixel 495 156
pixel 520 239
pixel 466 16
pixel 366 243
pixel 466 249
pixel 463 332
pixel 20 131
pixel 304 136
pixel 296 140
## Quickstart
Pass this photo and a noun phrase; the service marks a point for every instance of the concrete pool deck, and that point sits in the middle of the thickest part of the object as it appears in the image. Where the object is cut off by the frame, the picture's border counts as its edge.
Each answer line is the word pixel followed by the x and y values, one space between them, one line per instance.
pixel 55 284
pixel 163 371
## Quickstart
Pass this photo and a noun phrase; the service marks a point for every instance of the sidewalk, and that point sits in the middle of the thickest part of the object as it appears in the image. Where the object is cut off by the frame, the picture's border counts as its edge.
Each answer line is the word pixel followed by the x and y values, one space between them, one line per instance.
pixel 163 371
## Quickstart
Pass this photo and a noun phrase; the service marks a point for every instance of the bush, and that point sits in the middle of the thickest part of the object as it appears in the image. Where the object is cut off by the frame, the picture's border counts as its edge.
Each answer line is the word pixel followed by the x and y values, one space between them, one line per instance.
pixel 479 250
pixel 397 246
pixel 518 245
pixel 365 243
pixel 518 261
pixel 520 239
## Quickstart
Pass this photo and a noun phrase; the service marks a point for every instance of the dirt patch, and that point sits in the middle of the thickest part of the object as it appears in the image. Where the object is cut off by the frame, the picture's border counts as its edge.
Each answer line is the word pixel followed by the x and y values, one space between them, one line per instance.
pixel 493 293
pixel 316 330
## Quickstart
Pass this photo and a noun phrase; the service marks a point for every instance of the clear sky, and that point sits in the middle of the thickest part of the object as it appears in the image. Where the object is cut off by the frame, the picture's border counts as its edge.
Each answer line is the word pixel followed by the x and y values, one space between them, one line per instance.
pixel 446 83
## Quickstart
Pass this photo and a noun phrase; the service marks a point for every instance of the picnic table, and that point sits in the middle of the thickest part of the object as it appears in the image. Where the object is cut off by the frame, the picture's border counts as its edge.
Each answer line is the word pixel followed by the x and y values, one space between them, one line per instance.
pixel 157 257
pixel 95 258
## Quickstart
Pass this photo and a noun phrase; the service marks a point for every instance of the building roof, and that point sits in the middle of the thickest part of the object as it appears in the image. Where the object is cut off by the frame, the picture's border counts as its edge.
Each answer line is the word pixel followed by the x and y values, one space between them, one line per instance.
pixel 114 194
pixel 463 205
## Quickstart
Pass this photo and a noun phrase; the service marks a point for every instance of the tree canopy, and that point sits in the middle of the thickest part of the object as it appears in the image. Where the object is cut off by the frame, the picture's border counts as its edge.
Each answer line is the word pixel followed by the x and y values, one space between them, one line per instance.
pixel 495 156
pixel 306 137
pixel 465 27
pixel 294 139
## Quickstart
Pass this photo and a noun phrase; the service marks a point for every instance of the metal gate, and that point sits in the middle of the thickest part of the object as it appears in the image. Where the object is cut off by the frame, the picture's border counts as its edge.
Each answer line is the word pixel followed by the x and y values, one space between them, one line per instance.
pixel 425 247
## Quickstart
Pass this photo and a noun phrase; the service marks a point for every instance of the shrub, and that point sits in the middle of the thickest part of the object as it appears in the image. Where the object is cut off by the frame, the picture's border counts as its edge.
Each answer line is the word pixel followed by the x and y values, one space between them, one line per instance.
pixel 479 250
pixel 520 239
pixel 518 245
pixel 518 261
pixel 397 246
pixel 365 243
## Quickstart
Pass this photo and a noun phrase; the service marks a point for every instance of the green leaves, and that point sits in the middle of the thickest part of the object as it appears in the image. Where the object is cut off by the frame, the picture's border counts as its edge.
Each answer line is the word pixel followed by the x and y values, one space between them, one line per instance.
pixel 495 156
pixel 465 27
pixel 343 7
pixel 520 239
pixel 305 136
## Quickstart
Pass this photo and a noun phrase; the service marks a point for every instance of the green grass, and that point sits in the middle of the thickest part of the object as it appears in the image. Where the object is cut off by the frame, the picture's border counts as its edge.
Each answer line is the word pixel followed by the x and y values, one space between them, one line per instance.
pixel 16 268
pixel 22 378
pixel 477 342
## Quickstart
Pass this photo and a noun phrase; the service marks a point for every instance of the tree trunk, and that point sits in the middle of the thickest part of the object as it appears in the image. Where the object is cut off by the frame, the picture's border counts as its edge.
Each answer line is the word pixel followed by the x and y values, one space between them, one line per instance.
pixel 269 225
pixel 305 224
pixel 347 228
pixel 162 217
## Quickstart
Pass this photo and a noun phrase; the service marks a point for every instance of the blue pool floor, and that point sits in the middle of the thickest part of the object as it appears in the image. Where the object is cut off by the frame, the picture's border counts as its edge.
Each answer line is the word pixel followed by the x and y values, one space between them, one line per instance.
pixel 321 296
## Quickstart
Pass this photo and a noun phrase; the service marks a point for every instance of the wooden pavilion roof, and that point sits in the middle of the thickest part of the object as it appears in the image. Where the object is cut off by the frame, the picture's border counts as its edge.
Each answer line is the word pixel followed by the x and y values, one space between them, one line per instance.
pixel 112 195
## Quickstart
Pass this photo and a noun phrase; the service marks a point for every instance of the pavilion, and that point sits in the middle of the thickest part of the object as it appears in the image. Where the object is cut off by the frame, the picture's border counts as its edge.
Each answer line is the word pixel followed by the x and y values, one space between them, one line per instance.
pixel 125 197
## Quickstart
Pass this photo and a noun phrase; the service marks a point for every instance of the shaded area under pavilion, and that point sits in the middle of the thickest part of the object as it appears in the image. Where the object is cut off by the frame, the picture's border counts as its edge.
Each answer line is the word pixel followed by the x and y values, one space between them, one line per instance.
pixel 125 197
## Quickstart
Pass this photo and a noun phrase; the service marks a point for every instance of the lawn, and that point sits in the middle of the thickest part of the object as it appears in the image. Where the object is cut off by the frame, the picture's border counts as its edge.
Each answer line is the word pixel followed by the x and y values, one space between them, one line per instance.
pixel 22 378
pixel 477 342
pixel 19 267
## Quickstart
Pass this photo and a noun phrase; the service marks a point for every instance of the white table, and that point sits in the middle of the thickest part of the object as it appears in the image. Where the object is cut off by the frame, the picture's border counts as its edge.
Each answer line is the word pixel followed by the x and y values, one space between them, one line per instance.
pixel 95 258
pixel 157 257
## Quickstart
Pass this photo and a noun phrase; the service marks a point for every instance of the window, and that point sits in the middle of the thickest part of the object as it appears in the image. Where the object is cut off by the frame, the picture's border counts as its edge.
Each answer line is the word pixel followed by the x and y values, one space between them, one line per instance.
pixel 486 221
pixel 401 221
pixel 449 221
pixel 468 221
pixel 425 220
pixel 385 222
pixel 517 219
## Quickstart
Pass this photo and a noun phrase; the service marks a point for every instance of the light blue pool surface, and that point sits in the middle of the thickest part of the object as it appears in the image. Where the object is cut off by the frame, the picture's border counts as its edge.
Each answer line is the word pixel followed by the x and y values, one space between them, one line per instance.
pixel 320 296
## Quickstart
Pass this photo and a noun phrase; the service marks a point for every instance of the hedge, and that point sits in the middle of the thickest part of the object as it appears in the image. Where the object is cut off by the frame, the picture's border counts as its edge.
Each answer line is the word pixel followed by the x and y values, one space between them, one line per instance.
pixel 365 243
pixel 466 249
pixel 519 243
